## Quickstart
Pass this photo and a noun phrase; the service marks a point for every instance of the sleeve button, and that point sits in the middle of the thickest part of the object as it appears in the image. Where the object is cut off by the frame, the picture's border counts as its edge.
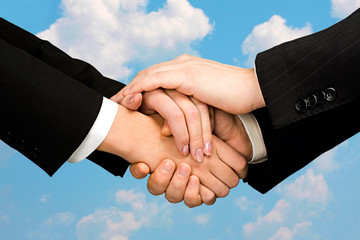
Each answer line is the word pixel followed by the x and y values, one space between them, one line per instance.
pixel 301 105
pixel 311 101
pixel 330 94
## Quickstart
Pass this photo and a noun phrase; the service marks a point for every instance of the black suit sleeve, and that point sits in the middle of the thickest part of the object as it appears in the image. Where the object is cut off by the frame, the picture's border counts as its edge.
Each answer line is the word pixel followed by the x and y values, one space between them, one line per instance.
pixel 310 86
pixel 43 54
pixel 293 74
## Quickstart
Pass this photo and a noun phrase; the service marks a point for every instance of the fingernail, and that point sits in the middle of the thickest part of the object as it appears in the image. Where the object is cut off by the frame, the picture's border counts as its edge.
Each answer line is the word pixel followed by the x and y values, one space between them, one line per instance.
pixel 199 155
pixel 138 172
pixel 166 167
pixel 185 150
pixel 183 172
pixel 208 148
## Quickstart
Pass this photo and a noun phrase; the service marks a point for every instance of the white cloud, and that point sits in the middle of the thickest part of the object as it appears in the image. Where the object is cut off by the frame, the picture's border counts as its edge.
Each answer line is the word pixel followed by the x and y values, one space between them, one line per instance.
pixel 117 223
pixel 243 203
pixel 111 34
pixel 4 218
pixel 310 187
pixel 327 162
pixel 269 34
pixel 44 198
pixel 62 218
pixel 137 200
pixel 276 215
pixel 284 233
pixel 202 219
pixel 343 8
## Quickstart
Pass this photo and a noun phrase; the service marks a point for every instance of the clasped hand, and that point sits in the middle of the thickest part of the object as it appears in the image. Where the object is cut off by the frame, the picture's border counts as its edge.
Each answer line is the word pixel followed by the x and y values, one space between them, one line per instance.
pixel 188 94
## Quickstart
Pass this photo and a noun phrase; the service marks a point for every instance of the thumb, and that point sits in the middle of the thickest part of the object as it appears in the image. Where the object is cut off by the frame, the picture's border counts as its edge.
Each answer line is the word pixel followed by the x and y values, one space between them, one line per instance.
pixel 132 102
pixel 139 170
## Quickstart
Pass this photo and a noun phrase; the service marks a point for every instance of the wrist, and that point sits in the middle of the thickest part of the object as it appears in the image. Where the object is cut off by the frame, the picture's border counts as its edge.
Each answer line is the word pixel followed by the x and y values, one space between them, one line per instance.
pixel 136 138
pixel 114 141
pixel 259 99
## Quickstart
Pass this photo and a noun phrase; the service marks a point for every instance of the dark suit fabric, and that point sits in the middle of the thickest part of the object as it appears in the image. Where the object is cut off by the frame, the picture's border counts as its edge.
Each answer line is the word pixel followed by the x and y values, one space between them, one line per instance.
pixel 295 71
pixel 49 101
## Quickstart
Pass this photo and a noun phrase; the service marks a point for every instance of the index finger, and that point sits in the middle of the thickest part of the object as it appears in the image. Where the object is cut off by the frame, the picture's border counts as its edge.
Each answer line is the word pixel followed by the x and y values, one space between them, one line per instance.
pixel 172 79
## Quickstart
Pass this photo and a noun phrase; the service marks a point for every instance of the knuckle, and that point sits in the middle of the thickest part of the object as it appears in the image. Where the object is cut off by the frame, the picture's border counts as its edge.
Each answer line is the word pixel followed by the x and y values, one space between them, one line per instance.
pixel 193 114
pixel 172 199
pixel 208 198
pixel 223 193
pixel 191 203
pixel 184 56
pixel 234 182
pixel 178 116
pixel 153 191
pixel 240 166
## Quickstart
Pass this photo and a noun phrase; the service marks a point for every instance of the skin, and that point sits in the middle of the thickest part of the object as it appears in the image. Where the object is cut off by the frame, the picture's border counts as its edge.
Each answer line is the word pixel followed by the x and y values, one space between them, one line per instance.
pixel 232 89
pixel 178 187
pixel 137 138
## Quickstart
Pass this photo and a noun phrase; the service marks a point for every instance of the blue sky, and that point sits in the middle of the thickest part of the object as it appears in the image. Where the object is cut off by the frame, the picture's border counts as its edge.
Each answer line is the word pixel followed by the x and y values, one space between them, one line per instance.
pixel 82 201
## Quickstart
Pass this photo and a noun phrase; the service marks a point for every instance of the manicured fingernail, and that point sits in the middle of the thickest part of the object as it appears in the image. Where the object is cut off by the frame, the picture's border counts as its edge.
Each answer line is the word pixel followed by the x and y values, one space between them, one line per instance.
pixel 166 167
pixel 199 155
pixel 208 148
pixel 185 150
pixel 183 171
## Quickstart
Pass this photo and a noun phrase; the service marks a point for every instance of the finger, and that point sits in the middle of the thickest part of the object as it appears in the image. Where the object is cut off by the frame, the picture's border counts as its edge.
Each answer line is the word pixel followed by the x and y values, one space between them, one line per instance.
pixel 118 96
pixel 207 196
pixel 193 122
pixel 139 170
pixel 176 189
pixel 160 178
pixel 169 79
pixel 231 158
pixel 205 125
pixel 159 101
pixel 213 183
pixel 132 102
pixel 192 193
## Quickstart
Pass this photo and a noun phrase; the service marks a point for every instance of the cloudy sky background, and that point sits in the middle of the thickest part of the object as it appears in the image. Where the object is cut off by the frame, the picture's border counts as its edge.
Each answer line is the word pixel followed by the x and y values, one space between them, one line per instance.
pixel 121 37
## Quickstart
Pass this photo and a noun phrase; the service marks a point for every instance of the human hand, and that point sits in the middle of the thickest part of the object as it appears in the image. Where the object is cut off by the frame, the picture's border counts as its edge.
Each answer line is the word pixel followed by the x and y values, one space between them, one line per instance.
pixel 187 118
pixel 137 138
pixel 231 130
pixel 233 89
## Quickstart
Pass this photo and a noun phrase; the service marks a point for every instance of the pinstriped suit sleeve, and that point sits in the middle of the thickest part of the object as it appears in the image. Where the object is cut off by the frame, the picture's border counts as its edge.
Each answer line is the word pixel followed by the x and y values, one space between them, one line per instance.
pixel 296 71
pixel 308 66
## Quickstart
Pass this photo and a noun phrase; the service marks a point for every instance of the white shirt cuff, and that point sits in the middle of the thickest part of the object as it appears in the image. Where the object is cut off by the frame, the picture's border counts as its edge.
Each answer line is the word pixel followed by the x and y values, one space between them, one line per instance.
pixel 98 131
pixel 254 132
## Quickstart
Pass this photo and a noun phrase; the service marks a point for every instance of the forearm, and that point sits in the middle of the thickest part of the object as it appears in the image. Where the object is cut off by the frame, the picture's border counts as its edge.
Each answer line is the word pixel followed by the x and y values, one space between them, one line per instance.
pixel 56 58
pixel 301 72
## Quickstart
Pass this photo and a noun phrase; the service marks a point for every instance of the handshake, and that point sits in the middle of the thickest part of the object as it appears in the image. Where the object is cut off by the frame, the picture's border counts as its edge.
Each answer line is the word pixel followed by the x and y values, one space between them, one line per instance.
pixel 191 138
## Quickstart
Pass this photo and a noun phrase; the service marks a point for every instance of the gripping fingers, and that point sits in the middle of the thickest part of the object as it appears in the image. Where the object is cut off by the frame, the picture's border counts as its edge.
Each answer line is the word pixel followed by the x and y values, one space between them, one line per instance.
pixel 207 196
pixel 205 124
pixel 139 170
pixel 159 101
pixel 193 122
pixel 192 193
pixel 176 189
pixel 159 180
